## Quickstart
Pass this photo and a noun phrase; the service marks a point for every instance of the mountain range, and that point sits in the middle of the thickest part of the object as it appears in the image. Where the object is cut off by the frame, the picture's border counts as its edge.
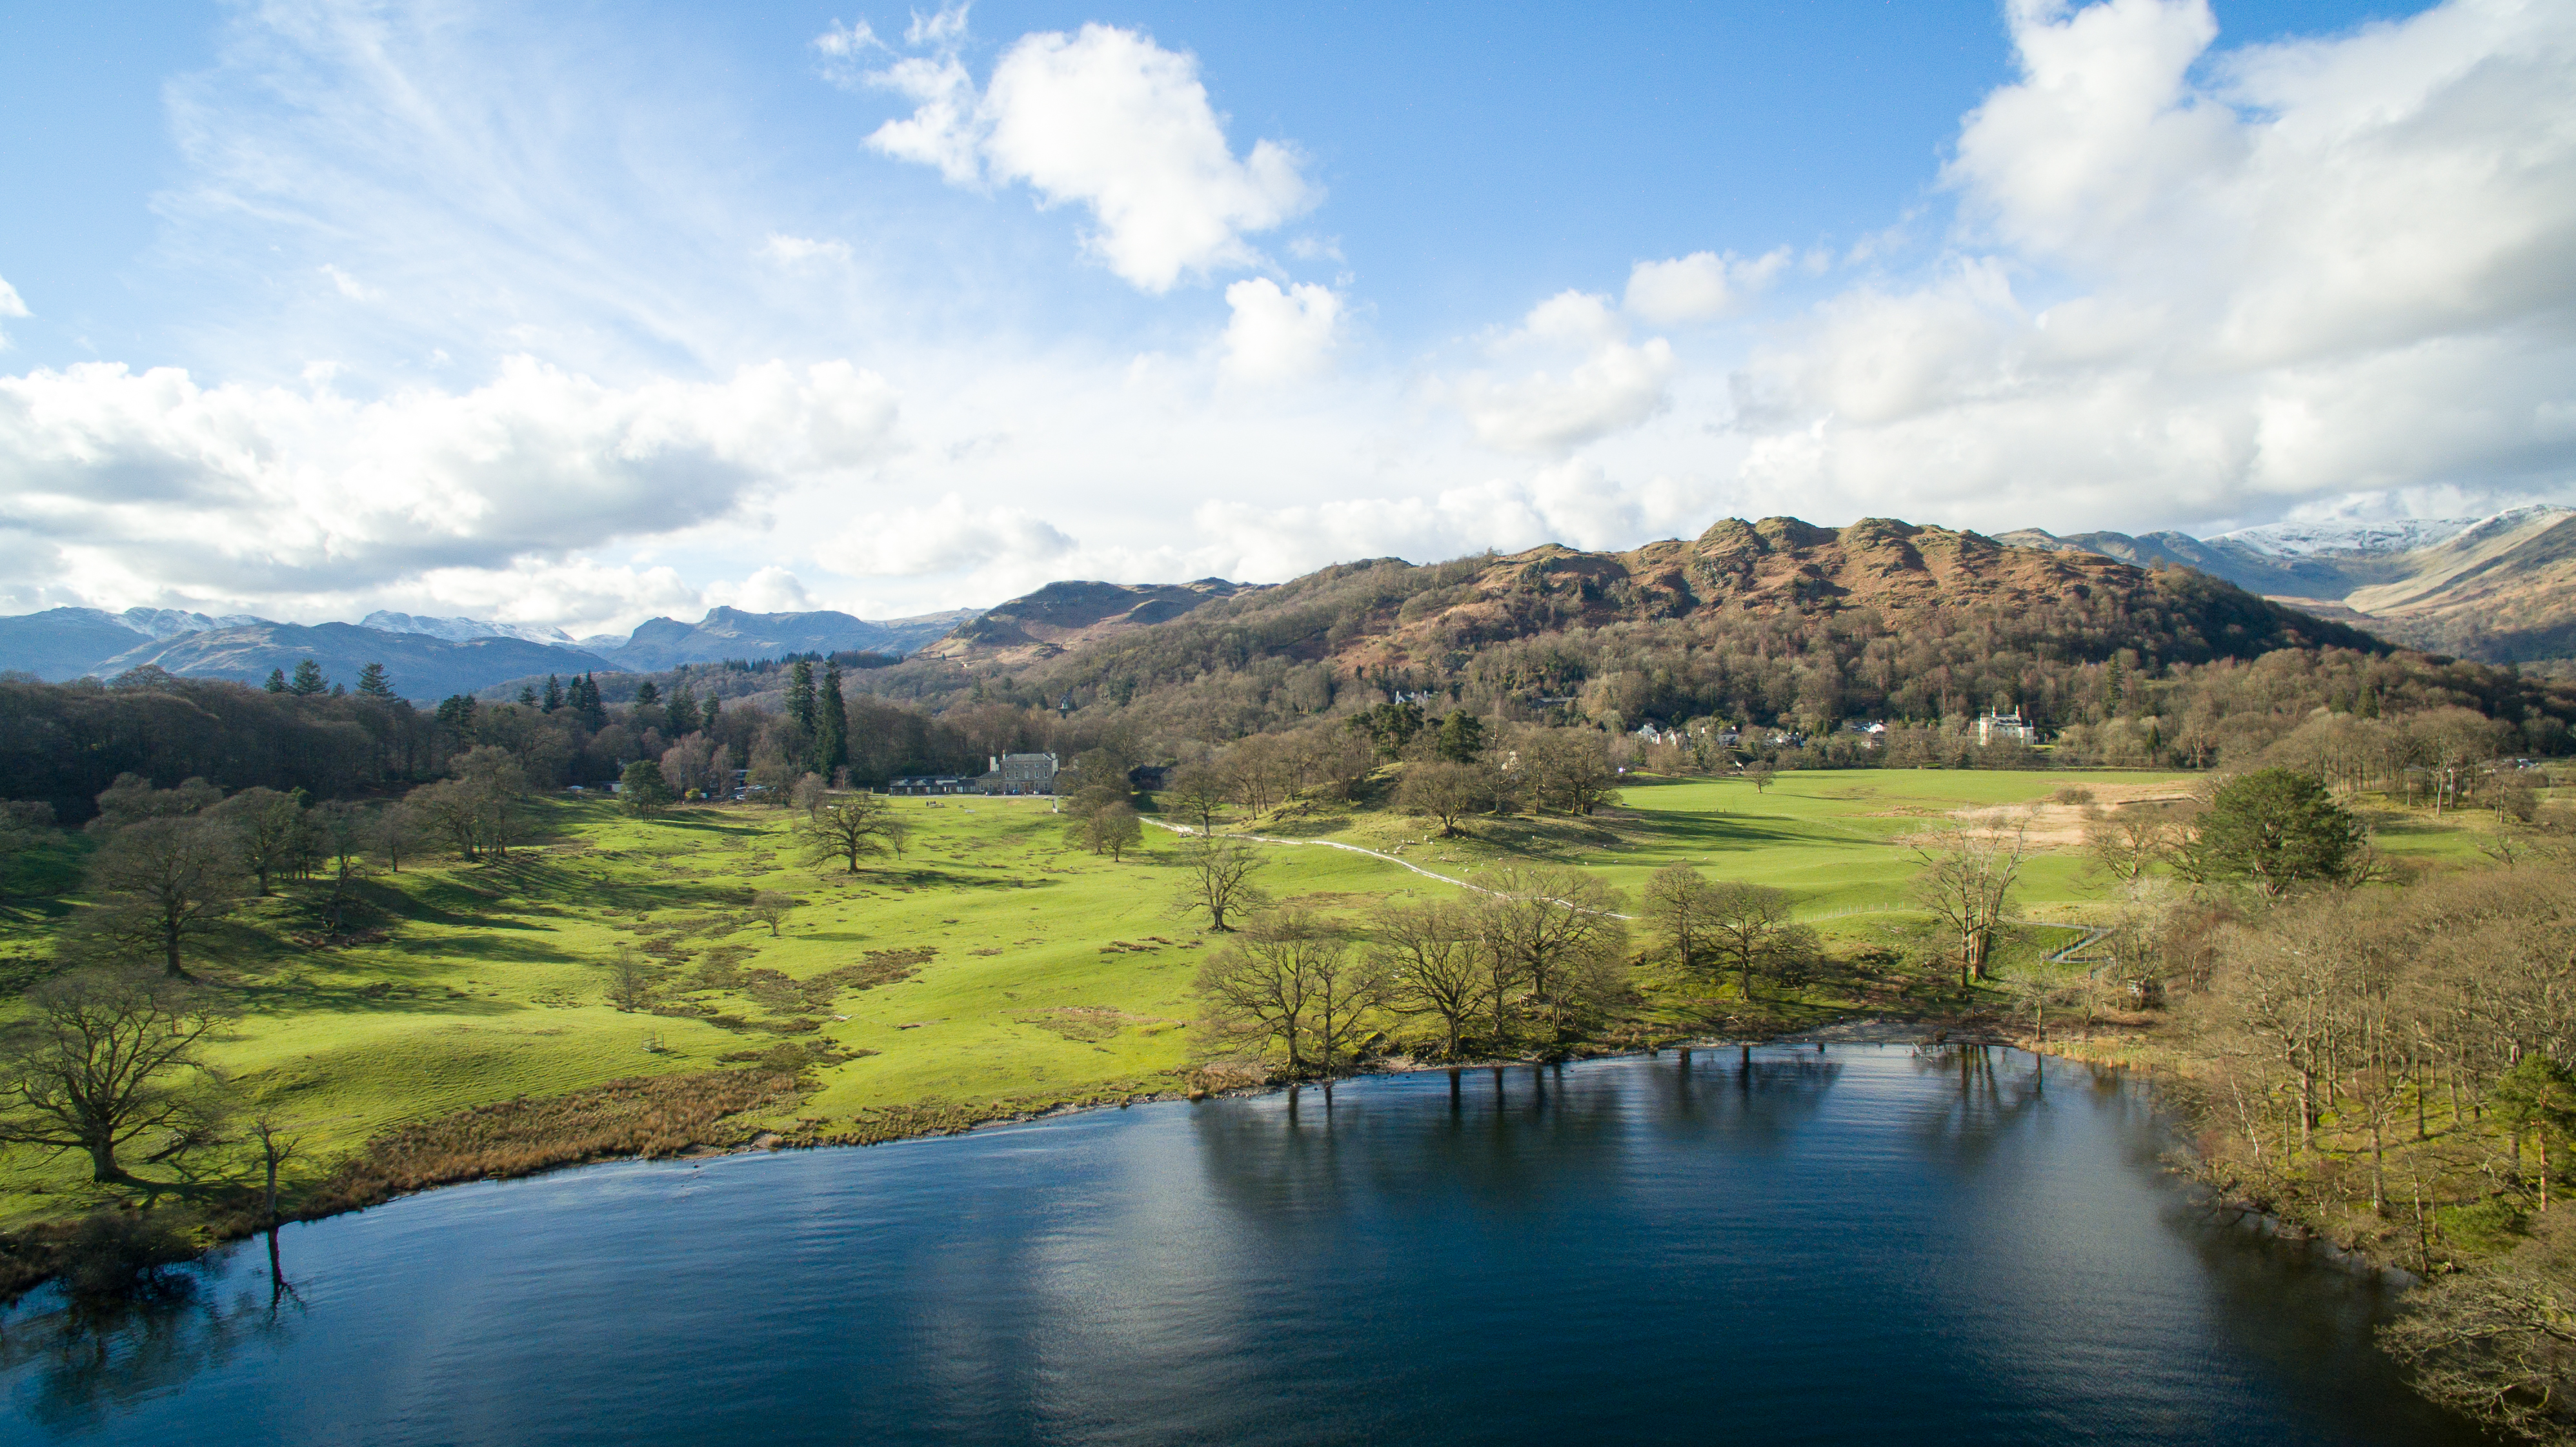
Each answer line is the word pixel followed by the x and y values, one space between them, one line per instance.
pixel 2496 589
pixel 427 658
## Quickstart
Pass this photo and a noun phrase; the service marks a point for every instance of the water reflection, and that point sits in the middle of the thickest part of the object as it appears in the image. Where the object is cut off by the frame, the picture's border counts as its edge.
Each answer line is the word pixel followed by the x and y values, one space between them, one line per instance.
pixel 79 1361
pixel 1836 1246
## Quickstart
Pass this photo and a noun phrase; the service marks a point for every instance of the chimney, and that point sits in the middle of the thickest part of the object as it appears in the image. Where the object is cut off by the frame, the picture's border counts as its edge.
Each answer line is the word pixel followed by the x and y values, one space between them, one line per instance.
pixel 997 762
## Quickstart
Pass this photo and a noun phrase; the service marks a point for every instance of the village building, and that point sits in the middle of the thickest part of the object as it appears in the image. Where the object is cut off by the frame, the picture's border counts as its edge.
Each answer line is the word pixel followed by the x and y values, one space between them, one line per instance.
pixel 1018 774
pixel 2006 728
pixel 933 784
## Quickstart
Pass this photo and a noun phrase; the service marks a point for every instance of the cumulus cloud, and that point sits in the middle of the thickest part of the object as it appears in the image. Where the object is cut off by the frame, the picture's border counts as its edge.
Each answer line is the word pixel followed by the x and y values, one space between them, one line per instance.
pixel 1698 287
pixel 125 481
pixel 2286 273
pixel 1279 336
pixel 769 590
pixel 1606 383
pixel 949 536
pixel 1107 119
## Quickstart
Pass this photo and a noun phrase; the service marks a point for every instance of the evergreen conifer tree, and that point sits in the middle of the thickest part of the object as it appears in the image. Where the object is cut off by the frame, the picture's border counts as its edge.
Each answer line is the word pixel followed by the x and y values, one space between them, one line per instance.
pixel 308 680
pixel 832 725
pixel 683 712
pixel 372 682
pixel 527 695
pixel 554 693
pixel 277 680
pixel 800 695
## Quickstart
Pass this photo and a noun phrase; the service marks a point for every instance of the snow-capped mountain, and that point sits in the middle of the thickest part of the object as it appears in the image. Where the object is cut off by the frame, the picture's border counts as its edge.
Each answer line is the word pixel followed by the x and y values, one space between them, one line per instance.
pixel 2308 540
pixel 457 630
pixel 161 623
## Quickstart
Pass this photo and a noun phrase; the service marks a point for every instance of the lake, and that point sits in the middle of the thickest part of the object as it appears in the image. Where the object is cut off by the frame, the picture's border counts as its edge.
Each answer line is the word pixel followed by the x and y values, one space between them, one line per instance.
pixel 1774 1246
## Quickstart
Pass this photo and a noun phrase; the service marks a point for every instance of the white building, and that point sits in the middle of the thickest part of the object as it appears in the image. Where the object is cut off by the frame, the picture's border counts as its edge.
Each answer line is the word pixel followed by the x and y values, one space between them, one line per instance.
pixel 2001 728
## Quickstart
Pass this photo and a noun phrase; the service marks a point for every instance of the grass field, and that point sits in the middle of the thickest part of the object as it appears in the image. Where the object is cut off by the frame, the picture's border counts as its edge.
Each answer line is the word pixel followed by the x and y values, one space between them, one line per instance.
pixel 989 967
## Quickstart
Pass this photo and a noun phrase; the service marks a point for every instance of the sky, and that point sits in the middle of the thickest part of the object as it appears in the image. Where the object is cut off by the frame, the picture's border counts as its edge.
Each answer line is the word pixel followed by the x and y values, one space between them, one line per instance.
pixel 576 315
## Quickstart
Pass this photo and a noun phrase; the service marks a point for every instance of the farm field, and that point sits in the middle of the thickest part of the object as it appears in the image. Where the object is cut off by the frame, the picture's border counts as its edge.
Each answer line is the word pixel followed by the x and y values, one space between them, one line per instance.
pixel 989 968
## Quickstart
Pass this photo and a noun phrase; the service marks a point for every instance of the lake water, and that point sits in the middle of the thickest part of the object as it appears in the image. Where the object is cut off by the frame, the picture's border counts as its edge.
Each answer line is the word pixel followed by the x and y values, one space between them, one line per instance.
pixel 1854 1246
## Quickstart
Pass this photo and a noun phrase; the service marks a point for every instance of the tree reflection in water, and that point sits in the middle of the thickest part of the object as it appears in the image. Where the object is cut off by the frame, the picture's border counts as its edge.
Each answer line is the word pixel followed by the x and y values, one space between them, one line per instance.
pixel 86 1359
pixel 1510 1138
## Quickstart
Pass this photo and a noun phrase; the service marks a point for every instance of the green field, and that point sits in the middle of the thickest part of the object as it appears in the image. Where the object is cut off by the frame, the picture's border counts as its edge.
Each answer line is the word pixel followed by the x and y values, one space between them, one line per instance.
pixel 1052 975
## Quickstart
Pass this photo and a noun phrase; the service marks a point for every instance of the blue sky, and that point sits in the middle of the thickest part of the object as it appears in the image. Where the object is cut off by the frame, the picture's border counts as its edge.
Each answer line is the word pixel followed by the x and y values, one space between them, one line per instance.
pixel 574 315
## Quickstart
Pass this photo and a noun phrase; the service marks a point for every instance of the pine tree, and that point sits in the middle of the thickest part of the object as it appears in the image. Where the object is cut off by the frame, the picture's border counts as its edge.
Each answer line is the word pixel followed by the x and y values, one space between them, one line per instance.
pixel 594 713
pixel 800 695
pixel 683 713
pixel 714 709
pixel 832 725
pixel 646 695
pixel 554 693
pixel 308 680
pixel 527 695
pixel 372 682
pixel 277 680
pixel 456 714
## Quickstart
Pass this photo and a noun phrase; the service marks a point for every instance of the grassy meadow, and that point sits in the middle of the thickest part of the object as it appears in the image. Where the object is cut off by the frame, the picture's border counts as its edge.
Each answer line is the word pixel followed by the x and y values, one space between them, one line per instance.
pixel 988 970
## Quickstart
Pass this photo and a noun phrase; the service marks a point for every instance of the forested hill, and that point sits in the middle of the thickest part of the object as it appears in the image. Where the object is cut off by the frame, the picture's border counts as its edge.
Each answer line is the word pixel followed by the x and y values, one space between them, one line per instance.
pixel 1761 622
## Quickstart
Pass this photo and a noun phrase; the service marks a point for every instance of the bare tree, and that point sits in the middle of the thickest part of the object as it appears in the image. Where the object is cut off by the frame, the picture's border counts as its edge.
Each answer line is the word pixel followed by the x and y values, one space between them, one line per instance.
pixel 1678 909
pixel 269 827
pixel 2126 842
pixel 1198 792
pixel 276 1148
pixel 341 830
pixel 1259 989
pixel 850 828
pixel 1448 792
pixel 97 1064
pixel 630 978
pixel 1432 960
pixel 1751 928
pixel 1556 932
pixel 771 908
pixel 1110 829
pixel 397 830
pixel 167 881
pixel 1218 878
pixel 1968 871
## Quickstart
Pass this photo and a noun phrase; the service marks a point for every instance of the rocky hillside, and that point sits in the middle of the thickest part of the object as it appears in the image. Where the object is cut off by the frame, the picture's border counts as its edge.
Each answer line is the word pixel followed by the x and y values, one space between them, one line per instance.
pixel 1062 617
pixel 2495 589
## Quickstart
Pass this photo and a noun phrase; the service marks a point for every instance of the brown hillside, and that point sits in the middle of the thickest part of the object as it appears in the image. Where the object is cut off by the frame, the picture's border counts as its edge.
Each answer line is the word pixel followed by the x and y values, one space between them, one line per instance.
pixel 1064 616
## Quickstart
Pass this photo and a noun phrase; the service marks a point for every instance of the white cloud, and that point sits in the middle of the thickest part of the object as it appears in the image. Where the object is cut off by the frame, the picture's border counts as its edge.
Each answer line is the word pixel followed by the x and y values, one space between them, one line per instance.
pixel 949 536
pixel 1279 336
pixel 123 481
pixel 1698 287
pixel 846 49
pixel 349 286
pixel 10 306
pixel 792 250
pixel 1606 384
pixel 1107 119
pixel 2333 265
pixel 770 590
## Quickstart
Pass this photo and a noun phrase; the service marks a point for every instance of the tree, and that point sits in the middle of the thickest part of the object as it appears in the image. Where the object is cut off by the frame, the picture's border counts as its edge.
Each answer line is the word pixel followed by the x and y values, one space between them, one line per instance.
pixel 132 798
pixel 1968 870
pixel 397 829
pixel 167 882
pixel 1759 776
pixel 1285 980
pixel 554 695
pixel 1555 932
pixel 308 680
pixel 96 1067
pixel 2276 829
pixel 831 725
pixel 643 789
pixel 800 698
pixel 498 787
pixel 680 715
pixel 772 773
pixel 808 794
pixel 373 683
pixel 1678 908
pixel 1430 957
pixel 1752 931
pixel 342 831
pixel 850 828
pixel 693 766
pixel 1217 877
pixel 1444 791
pixel 276 1148
pixel 1110 829
pixel 270 826
pixel 2494 1341
pixel 2127 842
pixel 2538 1096
pixel 1569 769
pixel 276 680
pixel 1462 737
pixel 1197 792
pixel 771 908
pixel 630 979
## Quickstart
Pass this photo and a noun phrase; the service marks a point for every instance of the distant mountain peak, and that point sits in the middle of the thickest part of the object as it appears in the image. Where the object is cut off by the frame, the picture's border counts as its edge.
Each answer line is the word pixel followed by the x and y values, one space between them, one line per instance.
pixel 457 630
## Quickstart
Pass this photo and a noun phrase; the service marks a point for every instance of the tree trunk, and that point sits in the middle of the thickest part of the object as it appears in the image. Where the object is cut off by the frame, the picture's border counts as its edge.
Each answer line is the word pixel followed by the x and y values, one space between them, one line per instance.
pixel 102 1161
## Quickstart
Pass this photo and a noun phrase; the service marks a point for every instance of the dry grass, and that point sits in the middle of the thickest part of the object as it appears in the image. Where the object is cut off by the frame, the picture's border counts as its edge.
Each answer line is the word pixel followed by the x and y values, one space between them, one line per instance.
pixel 646 1116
